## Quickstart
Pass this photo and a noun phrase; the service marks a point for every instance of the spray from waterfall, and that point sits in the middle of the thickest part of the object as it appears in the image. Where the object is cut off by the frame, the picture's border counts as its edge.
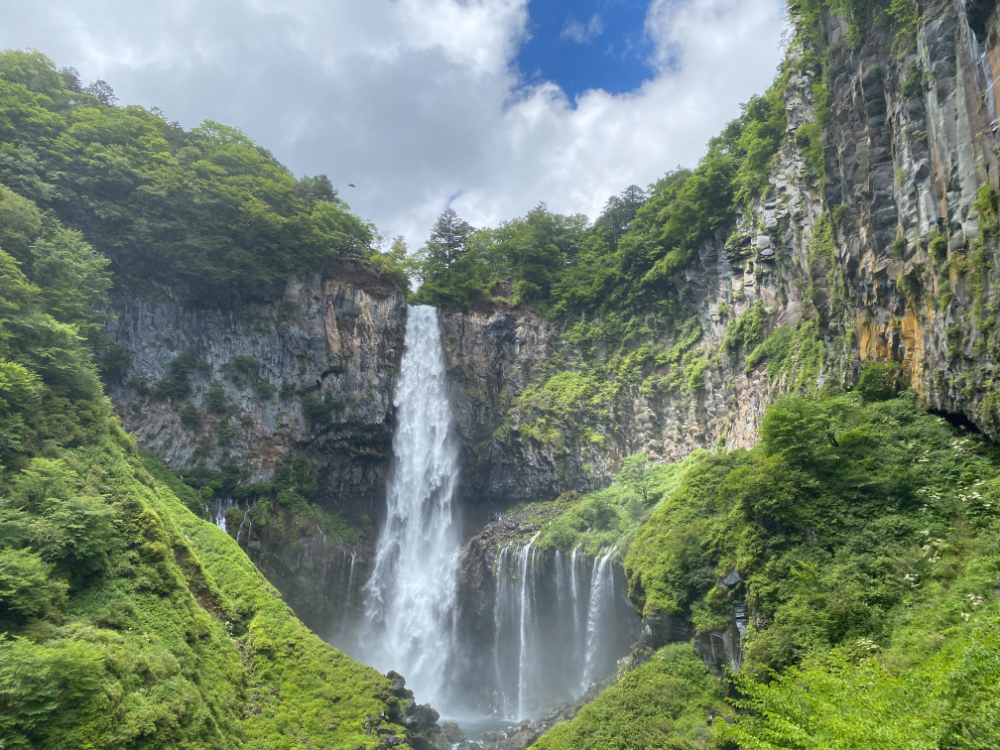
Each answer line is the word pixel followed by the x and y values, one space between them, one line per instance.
pixel 409 599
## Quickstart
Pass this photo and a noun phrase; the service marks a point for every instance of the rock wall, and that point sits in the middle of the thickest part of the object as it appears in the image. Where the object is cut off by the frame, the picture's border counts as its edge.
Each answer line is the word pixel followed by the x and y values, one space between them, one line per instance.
pixel 909 139
pixel 332 340
pixel 335 336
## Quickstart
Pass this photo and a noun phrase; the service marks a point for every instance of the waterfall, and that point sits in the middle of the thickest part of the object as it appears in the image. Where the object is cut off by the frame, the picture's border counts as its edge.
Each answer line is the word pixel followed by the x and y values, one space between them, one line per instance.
pixel 576 597
pixel 527 625
pixel 219 508
pixel 602 587
pixel 551 630
pixel 350 577
pixel 500 608
pixel 409 599
pixel 554 631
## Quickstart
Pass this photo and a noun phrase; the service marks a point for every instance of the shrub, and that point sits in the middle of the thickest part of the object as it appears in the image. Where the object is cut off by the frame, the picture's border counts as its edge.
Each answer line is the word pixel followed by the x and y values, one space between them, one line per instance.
pixel 190 415
pixel 880 382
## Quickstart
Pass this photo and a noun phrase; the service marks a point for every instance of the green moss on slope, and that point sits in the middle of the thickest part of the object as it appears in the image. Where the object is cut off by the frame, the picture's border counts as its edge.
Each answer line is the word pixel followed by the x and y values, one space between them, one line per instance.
pixel 125 620
pixel 663 704
pixel 597 521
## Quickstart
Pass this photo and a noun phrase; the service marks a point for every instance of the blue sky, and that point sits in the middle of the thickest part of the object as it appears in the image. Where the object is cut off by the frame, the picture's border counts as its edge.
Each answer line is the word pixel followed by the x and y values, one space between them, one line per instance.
pixel 585 44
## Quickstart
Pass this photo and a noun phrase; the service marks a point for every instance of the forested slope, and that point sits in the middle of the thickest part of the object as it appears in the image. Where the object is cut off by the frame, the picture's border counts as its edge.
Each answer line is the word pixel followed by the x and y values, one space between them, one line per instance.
pixel 206 210
pixel 125 620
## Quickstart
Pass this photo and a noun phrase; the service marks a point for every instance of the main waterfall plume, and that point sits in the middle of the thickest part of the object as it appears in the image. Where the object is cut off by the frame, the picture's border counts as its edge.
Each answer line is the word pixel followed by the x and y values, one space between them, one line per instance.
pixel 410 597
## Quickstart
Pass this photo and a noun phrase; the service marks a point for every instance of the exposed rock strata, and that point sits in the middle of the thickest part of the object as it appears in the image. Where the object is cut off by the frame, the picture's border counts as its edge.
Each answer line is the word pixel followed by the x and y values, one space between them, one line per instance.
pixel 335 335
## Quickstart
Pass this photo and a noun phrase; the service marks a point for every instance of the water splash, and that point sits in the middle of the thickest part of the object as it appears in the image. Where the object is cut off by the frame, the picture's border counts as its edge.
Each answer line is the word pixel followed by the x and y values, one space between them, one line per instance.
pixel 409 599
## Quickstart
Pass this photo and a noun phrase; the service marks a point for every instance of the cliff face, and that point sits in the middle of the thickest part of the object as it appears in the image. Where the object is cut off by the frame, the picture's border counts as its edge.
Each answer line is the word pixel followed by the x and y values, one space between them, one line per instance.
pixel 874 251
pixel 307 374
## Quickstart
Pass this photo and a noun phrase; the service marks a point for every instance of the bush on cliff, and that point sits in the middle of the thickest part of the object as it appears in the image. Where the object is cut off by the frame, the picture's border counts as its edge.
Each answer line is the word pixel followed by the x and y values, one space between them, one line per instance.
pixel 663 704
pixel 864 532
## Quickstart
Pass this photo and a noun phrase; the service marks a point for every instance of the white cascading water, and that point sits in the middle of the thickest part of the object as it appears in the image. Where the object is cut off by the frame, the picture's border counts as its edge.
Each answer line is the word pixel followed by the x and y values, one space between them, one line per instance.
pixel 525 657
pixel 409 600
pixel 601 590
pixel 554 634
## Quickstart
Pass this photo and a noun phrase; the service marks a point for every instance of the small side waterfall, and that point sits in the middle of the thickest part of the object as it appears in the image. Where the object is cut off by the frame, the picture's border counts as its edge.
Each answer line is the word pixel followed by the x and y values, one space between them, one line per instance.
pixel 602 588
pixel 409 599
pixel 555 631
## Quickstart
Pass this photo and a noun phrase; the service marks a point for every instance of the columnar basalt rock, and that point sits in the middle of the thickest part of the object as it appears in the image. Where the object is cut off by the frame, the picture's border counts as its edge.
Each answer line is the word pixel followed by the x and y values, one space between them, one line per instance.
pixel 330 342
pixel 333 339
pixel 909 140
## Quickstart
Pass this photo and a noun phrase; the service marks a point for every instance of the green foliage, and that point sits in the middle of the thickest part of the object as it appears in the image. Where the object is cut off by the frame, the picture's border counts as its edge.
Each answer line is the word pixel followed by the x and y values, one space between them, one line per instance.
pixel 216 398
pixel 747 331
pixel 317 410
pixel 829 521
pixel 939 248
pixel 47 691
pixel 913 87
pixel 880 382
pixel 662 704
pixel 190 415
pixel 809 138
pixel 26 589
pixel 608 518
pixel 73 279
pixel 206 210
pixel 822 261
pixel 177 383
pixel 948 700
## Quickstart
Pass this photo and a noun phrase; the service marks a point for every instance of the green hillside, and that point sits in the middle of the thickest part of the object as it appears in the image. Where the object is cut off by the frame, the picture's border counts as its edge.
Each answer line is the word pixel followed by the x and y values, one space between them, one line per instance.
pixel 125 620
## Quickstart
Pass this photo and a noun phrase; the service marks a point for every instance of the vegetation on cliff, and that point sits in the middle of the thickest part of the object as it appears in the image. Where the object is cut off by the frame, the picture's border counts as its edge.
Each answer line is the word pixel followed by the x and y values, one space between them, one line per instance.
pixel 596 522
pixel 864 534
pixel 632 255
pixel 125 620
pixel 671 702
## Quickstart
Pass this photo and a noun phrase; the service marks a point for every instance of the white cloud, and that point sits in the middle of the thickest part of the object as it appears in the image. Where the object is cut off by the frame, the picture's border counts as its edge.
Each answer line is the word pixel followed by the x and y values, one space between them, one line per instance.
pixel 417 101
pixel 583 34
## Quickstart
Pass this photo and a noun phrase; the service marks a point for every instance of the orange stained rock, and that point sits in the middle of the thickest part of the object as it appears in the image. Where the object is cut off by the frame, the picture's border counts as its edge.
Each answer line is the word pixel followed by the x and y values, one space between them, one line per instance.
pixel 875 344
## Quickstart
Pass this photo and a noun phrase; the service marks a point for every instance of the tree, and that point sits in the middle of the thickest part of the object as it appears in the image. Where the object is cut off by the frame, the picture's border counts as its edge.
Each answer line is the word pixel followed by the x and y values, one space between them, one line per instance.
pixel 448 239
pixel 316 189
pixel 619 211
pixel 71 79
pixel 635 474
pixel 102 91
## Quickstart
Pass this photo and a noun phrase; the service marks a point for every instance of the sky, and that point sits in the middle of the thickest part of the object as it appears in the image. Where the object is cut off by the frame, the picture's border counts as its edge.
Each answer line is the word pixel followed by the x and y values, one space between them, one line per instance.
pixel 486 106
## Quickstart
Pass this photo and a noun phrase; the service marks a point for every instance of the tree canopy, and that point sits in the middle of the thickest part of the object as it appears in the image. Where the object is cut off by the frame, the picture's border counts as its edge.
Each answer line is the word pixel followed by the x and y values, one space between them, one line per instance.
pixel 206 210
